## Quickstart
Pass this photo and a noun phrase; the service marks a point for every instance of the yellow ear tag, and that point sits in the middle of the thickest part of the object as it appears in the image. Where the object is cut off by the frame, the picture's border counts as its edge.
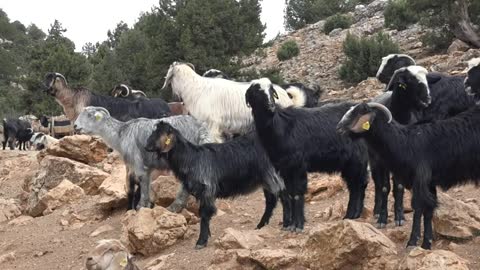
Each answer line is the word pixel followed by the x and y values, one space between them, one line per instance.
pixel 124 262
pixel 98 117
pixel 403 86
pixel 366 125
pixel 168 141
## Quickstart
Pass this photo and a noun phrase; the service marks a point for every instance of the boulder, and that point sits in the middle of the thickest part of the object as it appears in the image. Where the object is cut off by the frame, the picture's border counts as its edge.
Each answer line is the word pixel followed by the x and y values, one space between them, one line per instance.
pixel 348 244
pixel 9 257
pixel 161 262
pixel 20 221
pixel 164 190
pixel 112 190
pixel 234 239
pixel 454 219
pixel 82 148
pixel 232 259
pixel 53 170
pixel 65 192
pixel 457 46
pixel 274 258
pixel 420 259
pixel 148 231
pixel 9 209
pixel 322 186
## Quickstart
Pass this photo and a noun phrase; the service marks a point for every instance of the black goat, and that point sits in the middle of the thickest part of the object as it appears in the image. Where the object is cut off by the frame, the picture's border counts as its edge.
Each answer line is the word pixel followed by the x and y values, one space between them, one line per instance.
pixel 123 91
pixel 211 171
pixel 423 156
pixel 300 140
pixel 74 100
pixel 417 96
pixel 16 130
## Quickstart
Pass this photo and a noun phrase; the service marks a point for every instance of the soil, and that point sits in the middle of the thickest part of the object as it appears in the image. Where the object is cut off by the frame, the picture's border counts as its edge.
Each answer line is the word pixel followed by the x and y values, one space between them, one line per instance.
pixel 44 243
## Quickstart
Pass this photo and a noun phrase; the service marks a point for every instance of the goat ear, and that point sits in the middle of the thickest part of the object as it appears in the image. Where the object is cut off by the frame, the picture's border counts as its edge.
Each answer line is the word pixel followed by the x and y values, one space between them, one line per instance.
pixel 433 77
pixel 167 142
pixel 362 123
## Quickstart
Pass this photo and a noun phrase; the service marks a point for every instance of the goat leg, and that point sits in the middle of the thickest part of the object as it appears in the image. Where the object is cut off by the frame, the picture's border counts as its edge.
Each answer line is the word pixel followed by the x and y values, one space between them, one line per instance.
pixel 207 210
pixel 398 191
pixel 270 204
pixel 180 200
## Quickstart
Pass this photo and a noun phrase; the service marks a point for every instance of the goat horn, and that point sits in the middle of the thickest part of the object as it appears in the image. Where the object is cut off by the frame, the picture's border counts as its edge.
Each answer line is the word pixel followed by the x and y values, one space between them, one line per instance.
pixel 104 110
pixel 123 86
pixel 382 108
pixel 190 65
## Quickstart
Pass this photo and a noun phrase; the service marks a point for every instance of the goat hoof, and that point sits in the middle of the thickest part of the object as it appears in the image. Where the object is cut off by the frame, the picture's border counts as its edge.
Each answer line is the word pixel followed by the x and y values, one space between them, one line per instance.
pixel 381 225
pixel 200 246
pixel 376 216
pixel 399 222
pixel 298 230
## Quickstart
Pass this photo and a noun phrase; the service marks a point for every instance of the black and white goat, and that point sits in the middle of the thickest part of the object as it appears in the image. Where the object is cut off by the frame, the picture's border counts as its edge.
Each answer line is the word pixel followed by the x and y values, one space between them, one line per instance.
pixel 129 139
pixel 416 96
pixel 392 62
pixel 74 100
pixel 301 140
pixel 472 81
pixel 123 91
pixel 212 171
pixel 215 73
pixel 41 140
pixel 443 153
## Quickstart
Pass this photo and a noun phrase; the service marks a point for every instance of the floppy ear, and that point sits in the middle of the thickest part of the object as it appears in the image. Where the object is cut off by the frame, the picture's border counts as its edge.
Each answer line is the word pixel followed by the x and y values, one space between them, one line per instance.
pixel 362 123
pixel 167 142
pixel 433 78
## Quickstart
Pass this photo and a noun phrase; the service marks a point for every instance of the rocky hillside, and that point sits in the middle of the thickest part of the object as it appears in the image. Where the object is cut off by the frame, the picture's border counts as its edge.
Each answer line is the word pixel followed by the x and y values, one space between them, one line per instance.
pixel 321 54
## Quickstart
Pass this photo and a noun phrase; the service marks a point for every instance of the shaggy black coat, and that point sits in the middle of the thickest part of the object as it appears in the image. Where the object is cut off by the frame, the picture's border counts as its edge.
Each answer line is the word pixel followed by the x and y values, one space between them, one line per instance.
pixel 300 140
pixel 443 153
pixel 447 98
pixel 211 171
pixel 16 130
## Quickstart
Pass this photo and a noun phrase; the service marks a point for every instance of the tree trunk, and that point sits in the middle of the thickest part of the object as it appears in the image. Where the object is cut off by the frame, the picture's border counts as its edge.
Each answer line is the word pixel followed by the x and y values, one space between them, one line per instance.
pixel 461 24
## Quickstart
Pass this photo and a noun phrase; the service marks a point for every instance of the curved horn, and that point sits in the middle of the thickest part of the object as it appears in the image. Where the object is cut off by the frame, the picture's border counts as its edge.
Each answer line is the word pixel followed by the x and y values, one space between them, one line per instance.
pixel 124 93
pixel 382 108
pixel 104 110
pixel 393 78
pixel 190 65
pixel 61 76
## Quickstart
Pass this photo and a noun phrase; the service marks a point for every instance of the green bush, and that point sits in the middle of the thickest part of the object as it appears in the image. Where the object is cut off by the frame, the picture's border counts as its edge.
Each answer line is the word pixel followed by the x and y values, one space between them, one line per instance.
pixel 399 14
pixel 288 50
pixel 337 21
pixel 438 41
pixel 364 56
pixel 251 74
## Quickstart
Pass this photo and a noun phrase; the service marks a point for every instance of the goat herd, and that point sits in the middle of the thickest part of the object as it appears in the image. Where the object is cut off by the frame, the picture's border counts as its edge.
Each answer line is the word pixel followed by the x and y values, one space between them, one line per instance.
pixel 228 138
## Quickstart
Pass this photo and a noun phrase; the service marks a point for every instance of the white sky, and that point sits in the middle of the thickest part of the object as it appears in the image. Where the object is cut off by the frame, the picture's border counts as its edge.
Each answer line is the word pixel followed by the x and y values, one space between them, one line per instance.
pixel 89 20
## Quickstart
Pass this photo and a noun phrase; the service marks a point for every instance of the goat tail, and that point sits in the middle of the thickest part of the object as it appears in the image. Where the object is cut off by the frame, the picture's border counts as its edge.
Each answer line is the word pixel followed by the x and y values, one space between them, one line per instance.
pixel 422 188
pixel 273 181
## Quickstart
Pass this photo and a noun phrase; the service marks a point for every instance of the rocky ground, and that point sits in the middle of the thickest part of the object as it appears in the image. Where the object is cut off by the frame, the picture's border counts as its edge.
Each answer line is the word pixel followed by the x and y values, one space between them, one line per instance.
pixel 54 209
pixel 56 204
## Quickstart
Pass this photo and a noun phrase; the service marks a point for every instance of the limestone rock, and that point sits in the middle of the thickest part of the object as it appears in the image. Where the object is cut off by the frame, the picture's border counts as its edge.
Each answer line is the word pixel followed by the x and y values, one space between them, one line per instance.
pixel 7 257
pixel 455 219
pixel 234 239
pixel 321 186
pixel 457 46
pixel 148 231
pixel 161 262
pixel 102 229
pixel 112 190
pixel 20 221
pixel 9 209
pixel 232 259
pixel 348 244
pixel 65 192
pixel 274 259
pixel 82 148
pixel 164 190
pixel 54 170
pixel 420 259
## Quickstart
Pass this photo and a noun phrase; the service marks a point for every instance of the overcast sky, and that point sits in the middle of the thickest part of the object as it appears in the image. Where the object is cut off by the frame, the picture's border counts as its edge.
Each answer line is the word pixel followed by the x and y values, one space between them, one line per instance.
pixel 89 20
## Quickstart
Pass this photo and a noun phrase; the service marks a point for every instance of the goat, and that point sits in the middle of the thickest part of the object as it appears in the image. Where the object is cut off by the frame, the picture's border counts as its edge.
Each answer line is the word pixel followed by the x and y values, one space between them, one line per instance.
pixel 41 141
pixel 442 153
pixel 416 96
pixel 218 102
pixel 16 130
pixel 110 254
pixel 129 139
pixel 390 63
pixel 74 100
pixel 123 91
pixel 215 73
pixel 301 140
pixel 472 81
pixel 212 171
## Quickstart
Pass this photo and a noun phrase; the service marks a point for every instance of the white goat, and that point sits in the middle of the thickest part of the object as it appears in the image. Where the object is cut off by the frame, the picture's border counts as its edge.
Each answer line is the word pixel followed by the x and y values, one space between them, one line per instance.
pixel 218 102
pixel 110 254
